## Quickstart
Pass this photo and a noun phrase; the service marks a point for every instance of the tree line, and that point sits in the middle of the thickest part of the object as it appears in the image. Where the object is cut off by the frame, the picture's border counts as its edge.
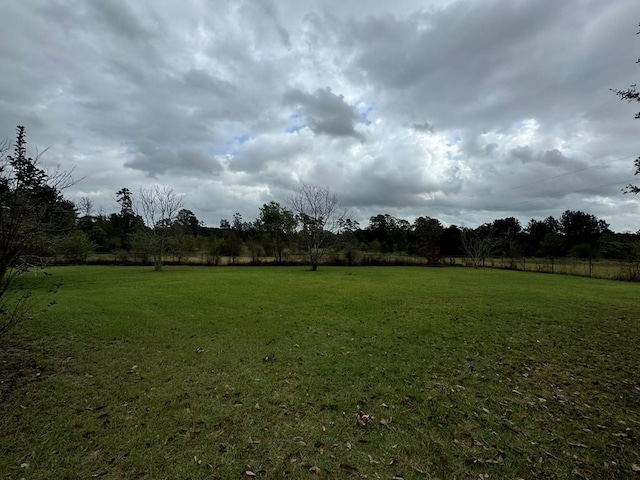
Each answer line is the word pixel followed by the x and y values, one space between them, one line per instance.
pixel 39 225
pixel 150 226
pixel 283 231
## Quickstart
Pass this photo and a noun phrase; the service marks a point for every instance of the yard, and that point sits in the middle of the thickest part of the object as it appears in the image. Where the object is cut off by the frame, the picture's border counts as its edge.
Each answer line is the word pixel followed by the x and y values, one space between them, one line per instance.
pixel 279 372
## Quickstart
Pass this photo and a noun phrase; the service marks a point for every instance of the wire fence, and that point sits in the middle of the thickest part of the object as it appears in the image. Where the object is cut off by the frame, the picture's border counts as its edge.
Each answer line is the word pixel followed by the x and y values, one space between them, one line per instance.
pixel 595 268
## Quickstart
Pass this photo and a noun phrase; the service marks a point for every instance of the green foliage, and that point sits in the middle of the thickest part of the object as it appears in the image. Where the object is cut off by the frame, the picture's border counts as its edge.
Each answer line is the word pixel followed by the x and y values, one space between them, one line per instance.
pixel 391 232
pixel 427 233
pixel 187 221
pixel 140 246
pixel 552 246
pixel 277 226
pixel 182 246
pixel 212 247
pixel 97 235
pixel 579 227
pixel 127 222
pixel 32 213
pixel 536 231
pixel 631 269
pixel 75 247
pixel 583 250
pixel 232 245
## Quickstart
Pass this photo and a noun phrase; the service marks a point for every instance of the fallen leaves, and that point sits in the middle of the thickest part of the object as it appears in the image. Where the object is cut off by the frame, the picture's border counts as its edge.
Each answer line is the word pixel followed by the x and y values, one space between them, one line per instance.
pixel 499 460
pixel 364 419
pixel 317 470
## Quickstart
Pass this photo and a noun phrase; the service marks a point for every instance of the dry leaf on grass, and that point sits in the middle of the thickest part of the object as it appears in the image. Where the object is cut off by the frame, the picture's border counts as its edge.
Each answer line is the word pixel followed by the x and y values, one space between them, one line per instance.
pixel 579 445
pixel 364 419
pixel 316 469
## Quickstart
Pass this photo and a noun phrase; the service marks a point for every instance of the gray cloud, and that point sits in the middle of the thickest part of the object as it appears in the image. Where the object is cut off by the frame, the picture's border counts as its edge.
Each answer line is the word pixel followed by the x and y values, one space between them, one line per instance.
pixel 119 19
pixel 229 102
pixel 326 112
pixel 150 158
pixel 424 127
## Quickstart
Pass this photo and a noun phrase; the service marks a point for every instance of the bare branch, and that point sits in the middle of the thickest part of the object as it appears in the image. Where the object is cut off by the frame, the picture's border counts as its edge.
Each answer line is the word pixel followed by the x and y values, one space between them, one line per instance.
pixel 319 214
pixel 32 209
pixel 158 207
pixel 477 246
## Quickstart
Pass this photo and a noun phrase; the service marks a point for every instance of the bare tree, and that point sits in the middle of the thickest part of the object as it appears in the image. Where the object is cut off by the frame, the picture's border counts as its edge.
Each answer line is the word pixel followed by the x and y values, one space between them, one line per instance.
pixel 318 212
pixel 478 245
pixel 158 207
pixel 85 206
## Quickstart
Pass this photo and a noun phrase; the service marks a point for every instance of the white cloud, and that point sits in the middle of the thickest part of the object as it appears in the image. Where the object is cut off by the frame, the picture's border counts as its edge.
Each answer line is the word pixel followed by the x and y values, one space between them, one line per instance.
pixel 461 110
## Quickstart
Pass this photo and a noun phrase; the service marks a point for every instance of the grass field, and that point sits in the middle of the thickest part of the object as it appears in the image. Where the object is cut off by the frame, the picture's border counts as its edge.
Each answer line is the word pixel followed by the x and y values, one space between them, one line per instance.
pixel 239 372
pixel 596 268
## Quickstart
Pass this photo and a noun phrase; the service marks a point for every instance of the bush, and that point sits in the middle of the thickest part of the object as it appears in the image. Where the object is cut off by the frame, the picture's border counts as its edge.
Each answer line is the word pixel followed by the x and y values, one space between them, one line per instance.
pixel 75 247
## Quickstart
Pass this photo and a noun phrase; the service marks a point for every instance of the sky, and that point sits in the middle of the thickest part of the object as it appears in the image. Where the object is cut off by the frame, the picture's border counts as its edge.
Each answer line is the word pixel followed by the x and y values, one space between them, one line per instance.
pixel 461 110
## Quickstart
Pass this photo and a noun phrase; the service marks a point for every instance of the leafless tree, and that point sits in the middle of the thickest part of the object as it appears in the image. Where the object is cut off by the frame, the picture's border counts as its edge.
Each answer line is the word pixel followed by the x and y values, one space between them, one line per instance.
pixel 318 212
pixel 85 206
pixel 158 206
pixel 478 245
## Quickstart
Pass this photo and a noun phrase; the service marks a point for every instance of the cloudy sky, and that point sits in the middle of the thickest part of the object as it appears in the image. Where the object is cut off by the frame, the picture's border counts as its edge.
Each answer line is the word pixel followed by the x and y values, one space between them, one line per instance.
pixel 462 110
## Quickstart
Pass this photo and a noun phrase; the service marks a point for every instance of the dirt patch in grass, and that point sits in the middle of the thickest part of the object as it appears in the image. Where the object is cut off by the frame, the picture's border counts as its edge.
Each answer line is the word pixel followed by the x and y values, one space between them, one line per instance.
pixel 17 368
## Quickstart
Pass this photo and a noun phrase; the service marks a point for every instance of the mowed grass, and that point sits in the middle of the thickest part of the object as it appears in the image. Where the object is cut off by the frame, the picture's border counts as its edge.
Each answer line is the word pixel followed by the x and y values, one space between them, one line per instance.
pixel 373 373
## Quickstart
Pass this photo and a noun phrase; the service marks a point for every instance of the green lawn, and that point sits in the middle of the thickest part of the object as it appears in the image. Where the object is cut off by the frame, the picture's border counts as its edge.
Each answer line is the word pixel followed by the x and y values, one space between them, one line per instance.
pixel 372 373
